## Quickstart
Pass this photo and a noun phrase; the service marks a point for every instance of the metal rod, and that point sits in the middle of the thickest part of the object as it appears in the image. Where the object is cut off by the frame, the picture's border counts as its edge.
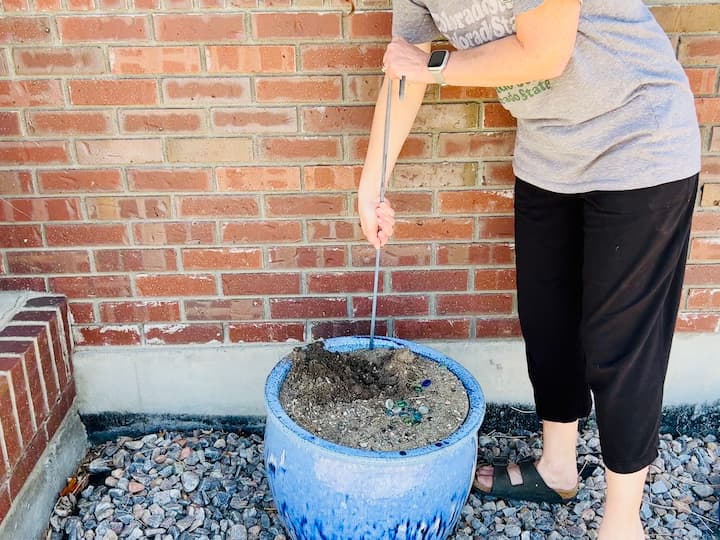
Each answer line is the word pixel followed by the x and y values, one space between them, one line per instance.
pixel 383 176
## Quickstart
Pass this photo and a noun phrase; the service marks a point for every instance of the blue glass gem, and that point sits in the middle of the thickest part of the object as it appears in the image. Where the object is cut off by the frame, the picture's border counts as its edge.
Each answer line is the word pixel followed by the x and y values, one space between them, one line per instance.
pixel 426 383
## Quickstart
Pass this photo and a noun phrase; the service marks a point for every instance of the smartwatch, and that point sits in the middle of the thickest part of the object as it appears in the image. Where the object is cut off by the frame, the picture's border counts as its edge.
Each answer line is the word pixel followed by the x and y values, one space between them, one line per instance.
pixel 437 62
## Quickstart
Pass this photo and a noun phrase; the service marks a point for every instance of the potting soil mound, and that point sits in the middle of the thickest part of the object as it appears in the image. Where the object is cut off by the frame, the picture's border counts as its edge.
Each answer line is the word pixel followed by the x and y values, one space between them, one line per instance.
pixel 380 399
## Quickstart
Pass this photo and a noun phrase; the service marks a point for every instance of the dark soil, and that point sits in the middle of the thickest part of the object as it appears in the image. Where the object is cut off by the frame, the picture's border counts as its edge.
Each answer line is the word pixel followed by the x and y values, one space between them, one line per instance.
pixel 380 399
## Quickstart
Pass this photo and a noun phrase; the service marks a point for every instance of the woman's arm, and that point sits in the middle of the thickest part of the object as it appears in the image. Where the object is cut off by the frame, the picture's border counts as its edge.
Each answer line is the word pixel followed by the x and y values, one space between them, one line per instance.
pixel 377 221
pixel 540 49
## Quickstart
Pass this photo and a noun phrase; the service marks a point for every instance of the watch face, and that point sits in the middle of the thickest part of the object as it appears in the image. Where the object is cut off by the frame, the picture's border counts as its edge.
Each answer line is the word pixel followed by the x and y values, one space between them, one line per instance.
pixel 437 58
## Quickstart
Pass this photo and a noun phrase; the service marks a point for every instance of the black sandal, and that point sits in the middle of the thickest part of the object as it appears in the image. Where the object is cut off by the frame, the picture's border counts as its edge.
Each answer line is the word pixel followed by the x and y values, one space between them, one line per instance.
pixel 533 488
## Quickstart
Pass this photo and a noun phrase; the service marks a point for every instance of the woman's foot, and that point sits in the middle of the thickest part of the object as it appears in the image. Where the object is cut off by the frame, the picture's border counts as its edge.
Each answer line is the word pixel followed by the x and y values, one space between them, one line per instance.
pixel 562 478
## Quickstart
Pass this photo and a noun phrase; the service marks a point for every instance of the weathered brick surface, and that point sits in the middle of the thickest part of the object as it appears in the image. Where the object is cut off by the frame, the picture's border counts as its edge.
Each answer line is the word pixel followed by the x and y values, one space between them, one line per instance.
pixel 195 164
pixel 36 387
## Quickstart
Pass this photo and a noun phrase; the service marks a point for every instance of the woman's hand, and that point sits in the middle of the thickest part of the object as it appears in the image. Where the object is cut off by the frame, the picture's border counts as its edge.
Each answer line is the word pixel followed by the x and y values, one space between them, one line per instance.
pixel 377 219
pixel 403 59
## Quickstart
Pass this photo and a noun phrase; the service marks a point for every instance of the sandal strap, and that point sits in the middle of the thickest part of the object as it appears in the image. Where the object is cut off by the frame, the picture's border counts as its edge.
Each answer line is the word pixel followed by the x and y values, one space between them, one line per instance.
pixel 532 481
pixel 501 478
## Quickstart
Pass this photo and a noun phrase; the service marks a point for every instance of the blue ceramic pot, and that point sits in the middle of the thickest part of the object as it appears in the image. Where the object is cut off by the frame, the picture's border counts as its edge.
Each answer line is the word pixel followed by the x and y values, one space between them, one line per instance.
pixel 325 491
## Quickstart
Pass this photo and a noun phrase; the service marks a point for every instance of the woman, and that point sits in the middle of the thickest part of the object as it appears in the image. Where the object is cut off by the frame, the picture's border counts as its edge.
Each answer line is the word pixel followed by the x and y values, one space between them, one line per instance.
pixel 606 161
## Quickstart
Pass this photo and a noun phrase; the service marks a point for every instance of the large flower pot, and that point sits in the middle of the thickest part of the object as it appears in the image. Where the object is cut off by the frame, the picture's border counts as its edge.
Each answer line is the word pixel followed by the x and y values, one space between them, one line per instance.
pixel 325 491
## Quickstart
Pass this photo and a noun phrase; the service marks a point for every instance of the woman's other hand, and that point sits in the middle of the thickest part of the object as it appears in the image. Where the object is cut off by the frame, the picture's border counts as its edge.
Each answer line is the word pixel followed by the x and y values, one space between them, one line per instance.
pixel 377 220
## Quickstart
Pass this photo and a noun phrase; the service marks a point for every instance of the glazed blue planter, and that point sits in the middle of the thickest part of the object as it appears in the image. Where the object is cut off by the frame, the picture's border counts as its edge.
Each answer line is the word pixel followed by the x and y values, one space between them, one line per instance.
pixel 325 491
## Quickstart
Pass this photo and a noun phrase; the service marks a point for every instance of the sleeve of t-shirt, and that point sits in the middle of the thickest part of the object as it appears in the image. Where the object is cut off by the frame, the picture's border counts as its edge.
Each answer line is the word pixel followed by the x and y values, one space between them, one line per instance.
pixel 413 22
pixel 521 6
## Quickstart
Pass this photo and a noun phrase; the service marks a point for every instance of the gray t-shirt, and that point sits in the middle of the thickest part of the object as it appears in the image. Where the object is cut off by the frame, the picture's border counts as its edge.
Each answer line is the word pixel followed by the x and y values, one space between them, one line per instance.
pixel 621 116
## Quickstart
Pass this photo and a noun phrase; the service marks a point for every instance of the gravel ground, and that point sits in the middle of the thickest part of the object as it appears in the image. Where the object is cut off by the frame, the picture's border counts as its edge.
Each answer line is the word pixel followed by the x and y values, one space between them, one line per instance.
pixel 210 485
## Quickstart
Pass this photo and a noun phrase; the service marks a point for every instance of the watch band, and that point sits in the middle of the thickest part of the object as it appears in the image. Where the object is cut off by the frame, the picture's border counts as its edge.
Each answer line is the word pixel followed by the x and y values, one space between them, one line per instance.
pixel 438 76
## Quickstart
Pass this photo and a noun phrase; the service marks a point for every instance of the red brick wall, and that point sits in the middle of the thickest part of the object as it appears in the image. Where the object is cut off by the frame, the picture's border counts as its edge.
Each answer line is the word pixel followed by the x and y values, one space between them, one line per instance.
pixel 184 172
pixel 36 387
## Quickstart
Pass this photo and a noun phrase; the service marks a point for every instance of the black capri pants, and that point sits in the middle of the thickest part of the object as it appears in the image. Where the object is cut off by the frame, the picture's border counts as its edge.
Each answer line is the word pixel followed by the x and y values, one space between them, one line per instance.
pixel 599 278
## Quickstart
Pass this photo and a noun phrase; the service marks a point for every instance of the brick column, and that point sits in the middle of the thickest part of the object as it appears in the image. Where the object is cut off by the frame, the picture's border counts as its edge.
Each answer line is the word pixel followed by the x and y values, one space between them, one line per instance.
pixel 36 387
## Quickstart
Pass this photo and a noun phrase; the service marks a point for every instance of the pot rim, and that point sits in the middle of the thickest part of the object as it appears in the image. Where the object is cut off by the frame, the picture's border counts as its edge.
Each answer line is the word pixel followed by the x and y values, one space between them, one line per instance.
pixel 470 426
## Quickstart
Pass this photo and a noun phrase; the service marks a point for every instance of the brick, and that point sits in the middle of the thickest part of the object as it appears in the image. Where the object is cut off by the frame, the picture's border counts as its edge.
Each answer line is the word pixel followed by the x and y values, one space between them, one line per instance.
pixel 298 26
pixel 393 255
pixel 332 177
pixel 48 262
pixel 135 260
pixel 208 90
pixel 176 120
pixel 477 201
pixel 86 234
pixel 80 5
pixel 341 282
pixel 234 309
pixel 82 312
pixel 698 322
pixel 11 370
pixel 224 206
pixel 363 88
pixel 708 110
pixel 250 59
pixel 174 233
pixel 209 150
pixel 266 332
pixel 79 181
pixel 103 28
pixel 393 306
pixel 119 151
pixel 175 285
pixel 33 152
pixel 476 144
pixel 122 208
pixel 706 222
pixel 221 258
pixel 4 69
pixel 335 328
pixel 256 120
pixel 140 60
pixel 300 148
pixel 107 92
pixel 106 335
pixel 327 230
pixel 48 5
pixel 5 500
pixel 474 304
pixel 307 307
pixel 435 175
pixel 370 25
pixel 715 141
pixel 35 381
pixel 22 284
pixel 699 50
pixel 16 5
pixel 20 236
pixel 59 61
pixel 41 209
pixel 429 280
pixel 298 89
pixel 220 27
pixel 476 254
pixel 15 182
pixel 432 329
pixel 705 249
pixel 416 146
pixel 8 423
pixel 498 173
pixel 293 257
pixel 351 57
pixel 687 18
pixel 411 203
pixel 171 180
pixel 337 119
pixel 9 124
pixel 57 415
pixel 92 286
pixel 14 30
pixel 710 195
pixel 66 122
pixel 710 168
pixel 703 299
pixel 258 178
pixel 261 283
pixel 467 93
pixel 181 334
pixel 434 229
pixel 263 232
pixel 703 81
pixel 31 93
pixel 495 116
pixel 305 205
pixel 487 279
pixel 29 459
pixel 139 311
pixel 495 228
pixel 497 328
